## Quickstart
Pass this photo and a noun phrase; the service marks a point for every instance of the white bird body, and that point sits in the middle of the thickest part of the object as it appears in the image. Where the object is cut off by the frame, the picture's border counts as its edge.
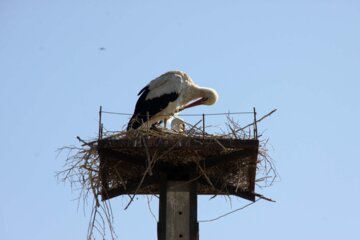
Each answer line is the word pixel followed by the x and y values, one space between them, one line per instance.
pixel 177 124
pixel 170 93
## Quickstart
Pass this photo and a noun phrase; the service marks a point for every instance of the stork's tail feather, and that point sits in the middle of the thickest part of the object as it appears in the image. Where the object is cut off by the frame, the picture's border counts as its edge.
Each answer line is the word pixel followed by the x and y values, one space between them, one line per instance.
pixel 134 123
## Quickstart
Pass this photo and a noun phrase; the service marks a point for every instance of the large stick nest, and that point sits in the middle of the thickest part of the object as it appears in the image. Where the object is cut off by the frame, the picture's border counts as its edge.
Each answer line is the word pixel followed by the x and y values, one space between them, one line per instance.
pixel 83 169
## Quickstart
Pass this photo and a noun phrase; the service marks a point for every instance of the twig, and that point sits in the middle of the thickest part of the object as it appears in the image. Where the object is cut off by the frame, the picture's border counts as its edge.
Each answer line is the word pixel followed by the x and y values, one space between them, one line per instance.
pixel 226 214
pixel 262 197
pixel 259 120
pixel 222 146
pixel 84 143
pixel 250 124
pixel 203 172
pixel 152 213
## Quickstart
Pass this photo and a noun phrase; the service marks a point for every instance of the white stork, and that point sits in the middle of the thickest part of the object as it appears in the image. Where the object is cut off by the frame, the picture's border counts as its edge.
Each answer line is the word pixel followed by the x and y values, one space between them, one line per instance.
pixel 177 124
pixel 170 93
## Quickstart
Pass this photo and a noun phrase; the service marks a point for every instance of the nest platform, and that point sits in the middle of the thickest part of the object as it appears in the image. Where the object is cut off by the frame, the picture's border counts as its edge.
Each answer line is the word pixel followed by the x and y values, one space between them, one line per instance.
pixel 137 164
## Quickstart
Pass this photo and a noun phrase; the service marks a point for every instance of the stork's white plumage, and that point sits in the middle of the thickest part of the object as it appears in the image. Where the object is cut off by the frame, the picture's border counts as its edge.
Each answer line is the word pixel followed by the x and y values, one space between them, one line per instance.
pixel 177 124
pixel 172 92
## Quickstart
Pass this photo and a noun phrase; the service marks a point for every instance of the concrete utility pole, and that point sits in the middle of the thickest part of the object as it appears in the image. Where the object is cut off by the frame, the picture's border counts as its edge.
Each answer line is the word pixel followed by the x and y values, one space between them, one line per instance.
pixel 178 211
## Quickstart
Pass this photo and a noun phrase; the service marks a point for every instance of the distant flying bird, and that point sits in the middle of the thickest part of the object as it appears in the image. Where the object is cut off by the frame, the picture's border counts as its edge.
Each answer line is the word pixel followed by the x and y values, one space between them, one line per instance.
pixel 170 93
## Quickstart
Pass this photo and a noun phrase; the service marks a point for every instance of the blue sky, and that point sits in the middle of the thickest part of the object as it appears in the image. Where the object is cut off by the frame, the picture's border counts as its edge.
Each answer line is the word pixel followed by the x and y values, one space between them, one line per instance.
pixel 301 57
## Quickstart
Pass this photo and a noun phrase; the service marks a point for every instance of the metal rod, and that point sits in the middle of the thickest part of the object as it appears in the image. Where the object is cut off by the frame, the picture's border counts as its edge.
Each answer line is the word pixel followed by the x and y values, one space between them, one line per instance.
pixel 100 123
pixel 203 119
pixel 102 130
pixel 147 123
pixel 255 124
pixel 183 115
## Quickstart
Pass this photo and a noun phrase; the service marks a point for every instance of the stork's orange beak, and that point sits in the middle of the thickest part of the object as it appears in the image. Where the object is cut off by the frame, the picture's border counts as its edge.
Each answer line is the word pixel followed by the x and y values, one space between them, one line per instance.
pixel 195 103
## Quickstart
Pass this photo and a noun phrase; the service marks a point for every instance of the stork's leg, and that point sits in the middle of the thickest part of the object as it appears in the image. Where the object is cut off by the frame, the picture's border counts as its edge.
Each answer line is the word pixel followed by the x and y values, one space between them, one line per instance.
pixel 165 123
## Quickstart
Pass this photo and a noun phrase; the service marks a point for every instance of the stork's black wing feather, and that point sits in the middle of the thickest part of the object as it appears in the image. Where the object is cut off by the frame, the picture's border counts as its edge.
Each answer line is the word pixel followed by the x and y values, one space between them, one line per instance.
pixel 146 88
pixel 149 106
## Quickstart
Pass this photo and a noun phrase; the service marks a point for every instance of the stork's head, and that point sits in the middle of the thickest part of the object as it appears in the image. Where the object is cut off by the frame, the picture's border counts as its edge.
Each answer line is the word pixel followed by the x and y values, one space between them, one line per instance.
pixel 203 96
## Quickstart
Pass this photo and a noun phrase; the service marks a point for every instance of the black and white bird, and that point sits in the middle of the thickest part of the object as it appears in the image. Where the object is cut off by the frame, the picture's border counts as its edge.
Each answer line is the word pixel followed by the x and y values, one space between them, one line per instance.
pixel 170 93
